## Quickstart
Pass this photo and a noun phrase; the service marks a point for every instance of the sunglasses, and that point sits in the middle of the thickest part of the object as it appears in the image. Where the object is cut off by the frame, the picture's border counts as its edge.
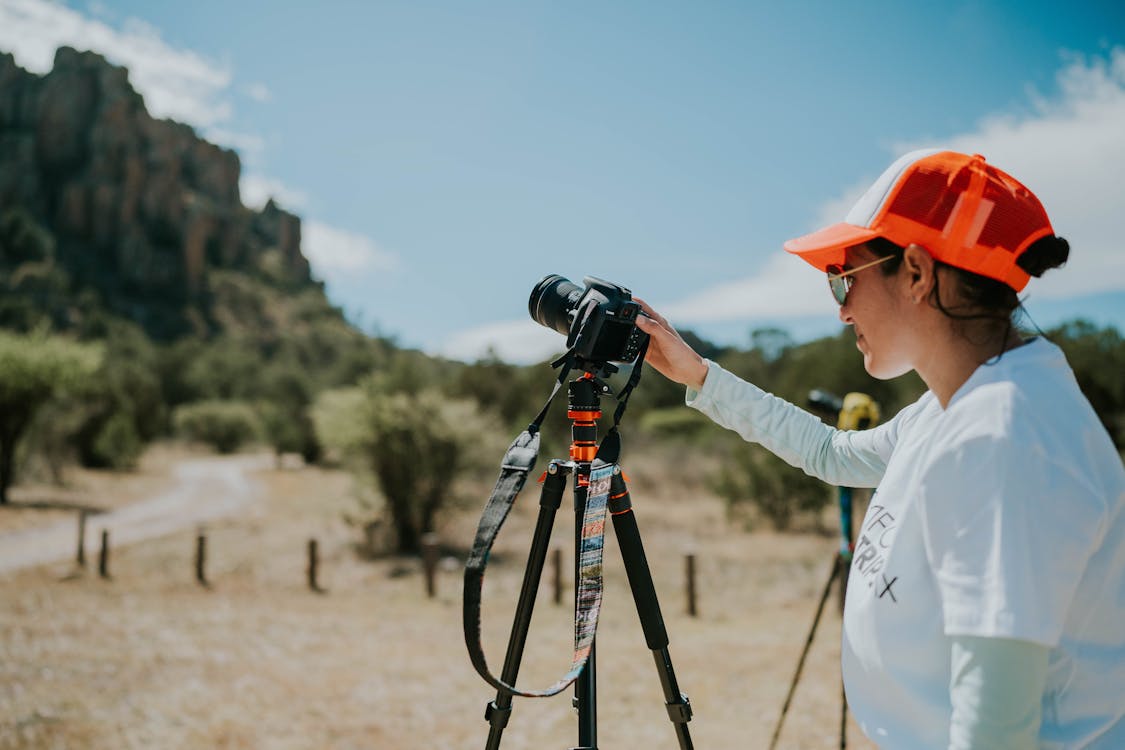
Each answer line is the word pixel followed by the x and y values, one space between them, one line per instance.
pixel 840 281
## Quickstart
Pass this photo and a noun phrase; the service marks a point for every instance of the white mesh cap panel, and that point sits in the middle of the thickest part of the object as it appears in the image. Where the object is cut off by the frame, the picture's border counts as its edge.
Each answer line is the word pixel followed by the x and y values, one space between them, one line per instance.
pixel 865 210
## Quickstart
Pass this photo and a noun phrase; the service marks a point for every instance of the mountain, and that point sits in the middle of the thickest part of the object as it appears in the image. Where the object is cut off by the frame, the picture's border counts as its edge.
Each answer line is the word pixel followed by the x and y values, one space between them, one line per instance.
pixel 105 210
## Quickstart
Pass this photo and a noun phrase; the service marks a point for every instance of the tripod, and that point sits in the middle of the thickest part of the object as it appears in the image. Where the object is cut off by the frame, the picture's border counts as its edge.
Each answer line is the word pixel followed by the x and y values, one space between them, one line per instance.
pixel 584 409
pixel 856 411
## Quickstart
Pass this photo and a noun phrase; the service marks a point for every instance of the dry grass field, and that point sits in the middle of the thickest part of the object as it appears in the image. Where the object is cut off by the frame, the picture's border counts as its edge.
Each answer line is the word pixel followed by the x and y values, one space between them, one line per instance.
pixel 150 659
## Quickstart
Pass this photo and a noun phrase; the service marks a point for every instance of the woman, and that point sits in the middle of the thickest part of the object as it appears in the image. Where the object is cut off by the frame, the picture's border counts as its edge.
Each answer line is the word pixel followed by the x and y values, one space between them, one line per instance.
pixel 986 602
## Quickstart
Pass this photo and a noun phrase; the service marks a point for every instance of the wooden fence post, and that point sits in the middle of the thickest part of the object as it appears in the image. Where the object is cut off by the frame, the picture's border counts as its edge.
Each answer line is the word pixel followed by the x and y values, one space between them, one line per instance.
pixel 556 564
pixel 81 556
pixel 689 559
pixel 429 562
pixel 313 564
pixel 201 559
pixel 103 555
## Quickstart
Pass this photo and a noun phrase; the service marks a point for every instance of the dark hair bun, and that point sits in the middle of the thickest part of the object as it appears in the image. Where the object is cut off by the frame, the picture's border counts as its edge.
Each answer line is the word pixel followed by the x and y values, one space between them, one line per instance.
pixel 1043 254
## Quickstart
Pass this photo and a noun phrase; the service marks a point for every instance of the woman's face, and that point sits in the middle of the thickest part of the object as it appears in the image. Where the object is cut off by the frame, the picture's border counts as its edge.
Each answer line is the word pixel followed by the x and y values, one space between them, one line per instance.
pixel 877 309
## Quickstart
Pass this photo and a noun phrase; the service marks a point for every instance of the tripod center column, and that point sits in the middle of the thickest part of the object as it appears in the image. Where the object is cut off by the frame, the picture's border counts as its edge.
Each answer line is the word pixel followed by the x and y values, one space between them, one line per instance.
pixel 584 410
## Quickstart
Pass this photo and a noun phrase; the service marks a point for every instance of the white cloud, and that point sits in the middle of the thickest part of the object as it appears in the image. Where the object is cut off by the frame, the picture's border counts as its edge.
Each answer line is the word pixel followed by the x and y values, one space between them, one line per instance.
pixel 522 342
pixel 176 83
pixel 786 287
pixel 337 254
pixel 257 189
pixel 1070 151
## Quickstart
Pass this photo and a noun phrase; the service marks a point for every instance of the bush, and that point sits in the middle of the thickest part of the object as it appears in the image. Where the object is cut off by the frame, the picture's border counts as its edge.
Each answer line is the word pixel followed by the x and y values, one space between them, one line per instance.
pixel 117 444
pixel 285 397
pixel 224 425
pixel 675 423
pixel 415 444
pixel 775 489
pixel 288 428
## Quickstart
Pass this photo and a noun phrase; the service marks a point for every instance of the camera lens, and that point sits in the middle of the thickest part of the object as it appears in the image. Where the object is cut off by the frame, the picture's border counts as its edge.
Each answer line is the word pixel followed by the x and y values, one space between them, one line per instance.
pixel 551 301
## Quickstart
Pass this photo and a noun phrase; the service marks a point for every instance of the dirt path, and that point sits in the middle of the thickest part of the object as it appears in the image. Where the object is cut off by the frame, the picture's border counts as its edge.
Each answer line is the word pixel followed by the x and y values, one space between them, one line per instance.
pixel 202 489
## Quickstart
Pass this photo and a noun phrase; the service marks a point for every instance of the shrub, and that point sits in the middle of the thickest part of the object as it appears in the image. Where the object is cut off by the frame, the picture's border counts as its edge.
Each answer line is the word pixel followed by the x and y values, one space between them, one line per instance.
pixel 117 444
pixel 224 425
pixel 775 489
pixel 288 428
pixel 415 444
pixel 675 422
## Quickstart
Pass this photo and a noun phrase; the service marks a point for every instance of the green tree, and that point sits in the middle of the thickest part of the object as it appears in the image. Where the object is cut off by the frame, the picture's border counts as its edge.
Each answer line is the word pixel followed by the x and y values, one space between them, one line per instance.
pixel 123 403
pixel 33 287
pixel 415 443
pixel 1097 356
pixel 33 370
pixel 226 368
pixel 832 363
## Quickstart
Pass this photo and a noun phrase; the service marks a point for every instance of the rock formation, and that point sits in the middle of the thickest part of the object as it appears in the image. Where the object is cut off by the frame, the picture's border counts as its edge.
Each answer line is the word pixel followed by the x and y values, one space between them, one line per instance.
pixel 135 211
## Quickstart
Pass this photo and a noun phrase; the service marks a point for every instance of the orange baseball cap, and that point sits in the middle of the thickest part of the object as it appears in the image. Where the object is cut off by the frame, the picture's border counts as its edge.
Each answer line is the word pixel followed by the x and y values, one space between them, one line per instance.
pixel 962 210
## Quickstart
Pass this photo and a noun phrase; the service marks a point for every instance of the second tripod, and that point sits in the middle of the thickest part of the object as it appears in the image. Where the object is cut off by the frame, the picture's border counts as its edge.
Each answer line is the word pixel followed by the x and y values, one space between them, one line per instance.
pixel 584 410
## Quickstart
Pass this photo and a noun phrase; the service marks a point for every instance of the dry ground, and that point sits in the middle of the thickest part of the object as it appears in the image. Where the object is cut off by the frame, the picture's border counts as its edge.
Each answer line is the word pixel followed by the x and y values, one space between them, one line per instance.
pixel 152 660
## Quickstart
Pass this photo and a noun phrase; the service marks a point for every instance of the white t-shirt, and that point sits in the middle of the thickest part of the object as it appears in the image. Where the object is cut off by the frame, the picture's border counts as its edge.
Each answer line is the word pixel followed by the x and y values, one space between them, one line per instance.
pixel 1002 515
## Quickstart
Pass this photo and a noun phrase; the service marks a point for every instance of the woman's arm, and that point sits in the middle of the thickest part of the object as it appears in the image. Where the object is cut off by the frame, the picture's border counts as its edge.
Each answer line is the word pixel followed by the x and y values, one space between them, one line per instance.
pixel 844 458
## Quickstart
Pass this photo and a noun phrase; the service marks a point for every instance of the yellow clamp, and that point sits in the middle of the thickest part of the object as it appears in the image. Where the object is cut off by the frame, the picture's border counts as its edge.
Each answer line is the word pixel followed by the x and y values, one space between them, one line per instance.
pixel 859 412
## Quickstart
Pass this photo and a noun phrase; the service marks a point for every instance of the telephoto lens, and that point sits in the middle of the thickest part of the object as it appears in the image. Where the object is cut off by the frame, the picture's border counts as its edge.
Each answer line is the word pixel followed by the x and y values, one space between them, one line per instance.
pixel 551 301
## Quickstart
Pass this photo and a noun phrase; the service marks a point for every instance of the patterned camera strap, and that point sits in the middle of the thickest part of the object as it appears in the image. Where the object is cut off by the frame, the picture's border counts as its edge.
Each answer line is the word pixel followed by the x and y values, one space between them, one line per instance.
pixel 518 462
pixel 512 477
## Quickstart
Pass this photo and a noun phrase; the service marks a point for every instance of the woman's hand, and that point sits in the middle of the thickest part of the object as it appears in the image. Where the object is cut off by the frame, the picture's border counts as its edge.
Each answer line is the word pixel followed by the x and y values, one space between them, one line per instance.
pixel 668 352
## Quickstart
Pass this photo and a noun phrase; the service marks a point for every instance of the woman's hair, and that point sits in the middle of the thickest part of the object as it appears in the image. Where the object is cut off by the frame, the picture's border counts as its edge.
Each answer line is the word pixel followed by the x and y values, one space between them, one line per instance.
pixel 979 298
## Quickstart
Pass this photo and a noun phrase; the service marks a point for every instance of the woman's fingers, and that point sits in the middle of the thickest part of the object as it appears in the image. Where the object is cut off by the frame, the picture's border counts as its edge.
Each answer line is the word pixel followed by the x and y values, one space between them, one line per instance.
pixel 647 309
pixel 662 324
pixel 668 352
pixel 654 326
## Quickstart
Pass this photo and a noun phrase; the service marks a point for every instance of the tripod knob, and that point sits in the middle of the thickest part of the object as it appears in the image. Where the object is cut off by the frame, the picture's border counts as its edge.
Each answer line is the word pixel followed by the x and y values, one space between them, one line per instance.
pixel 679 713
pixel 496 715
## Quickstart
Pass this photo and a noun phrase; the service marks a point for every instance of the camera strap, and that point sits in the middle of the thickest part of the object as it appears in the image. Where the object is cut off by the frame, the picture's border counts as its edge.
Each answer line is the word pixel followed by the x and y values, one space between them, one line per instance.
pixel 610 448
pixel 518 462
pixel 517 465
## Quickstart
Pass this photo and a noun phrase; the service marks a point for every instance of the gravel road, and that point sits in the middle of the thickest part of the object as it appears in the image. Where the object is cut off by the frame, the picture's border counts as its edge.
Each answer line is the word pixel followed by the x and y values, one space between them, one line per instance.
pixel 202 489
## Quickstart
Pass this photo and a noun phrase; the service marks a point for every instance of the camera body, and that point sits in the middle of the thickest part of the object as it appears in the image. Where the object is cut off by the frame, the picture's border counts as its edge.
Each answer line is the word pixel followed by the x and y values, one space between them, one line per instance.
pixel 599 321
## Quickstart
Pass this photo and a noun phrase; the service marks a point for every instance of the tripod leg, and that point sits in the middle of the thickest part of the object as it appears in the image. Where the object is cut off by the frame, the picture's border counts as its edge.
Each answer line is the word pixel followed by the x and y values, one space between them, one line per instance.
pixel 805 652
pixel 648 608
pixel 500 710
pixel 585 686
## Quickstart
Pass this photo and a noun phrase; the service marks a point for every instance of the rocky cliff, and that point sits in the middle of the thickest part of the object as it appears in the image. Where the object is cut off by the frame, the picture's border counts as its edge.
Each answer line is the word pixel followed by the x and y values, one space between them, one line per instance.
pixel 103 206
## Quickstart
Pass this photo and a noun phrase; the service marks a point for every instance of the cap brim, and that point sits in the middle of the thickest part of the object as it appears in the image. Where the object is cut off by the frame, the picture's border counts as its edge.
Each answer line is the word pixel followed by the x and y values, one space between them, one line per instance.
pixel 826 247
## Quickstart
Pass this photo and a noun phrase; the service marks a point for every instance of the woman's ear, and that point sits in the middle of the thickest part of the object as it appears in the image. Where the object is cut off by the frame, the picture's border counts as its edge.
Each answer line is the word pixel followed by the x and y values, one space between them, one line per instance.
pixel 919 269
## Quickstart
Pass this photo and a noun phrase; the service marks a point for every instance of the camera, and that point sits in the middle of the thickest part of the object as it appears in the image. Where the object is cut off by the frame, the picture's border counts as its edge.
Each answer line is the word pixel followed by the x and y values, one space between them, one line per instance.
pixel 599 321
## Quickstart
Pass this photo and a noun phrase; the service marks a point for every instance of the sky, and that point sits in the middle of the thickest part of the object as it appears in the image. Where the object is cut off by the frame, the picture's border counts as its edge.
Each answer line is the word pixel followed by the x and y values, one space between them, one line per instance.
pixel 445 156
